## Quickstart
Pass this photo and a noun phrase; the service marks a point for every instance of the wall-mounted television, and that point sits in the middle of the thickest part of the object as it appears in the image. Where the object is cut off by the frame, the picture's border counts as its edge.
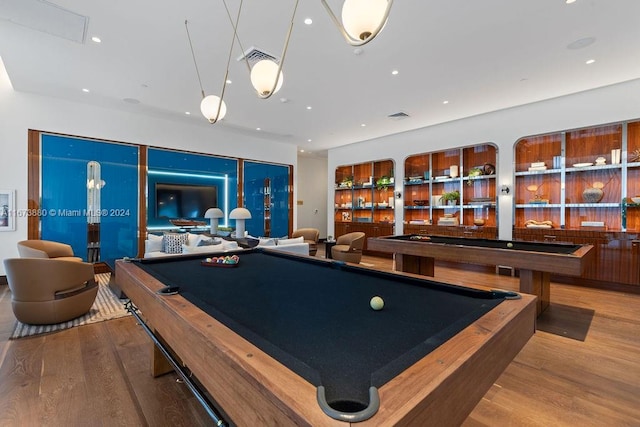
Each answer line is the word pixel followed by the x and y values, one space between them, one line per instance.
pixel 184 201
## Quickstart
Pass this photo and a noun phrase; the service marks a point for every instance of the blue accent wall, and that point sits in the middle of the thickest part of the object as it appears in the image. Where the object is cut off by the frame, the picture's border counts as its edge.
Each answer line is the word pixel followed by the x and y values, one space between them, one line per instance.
pixel 255 174
pixel 64 194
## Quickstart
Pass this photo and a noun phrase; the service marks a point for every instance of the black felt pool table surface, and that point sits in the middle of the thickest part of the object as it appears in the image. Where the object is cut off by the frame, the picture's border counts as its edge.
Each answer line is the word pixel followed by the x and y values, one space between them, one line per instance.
pixel 314 316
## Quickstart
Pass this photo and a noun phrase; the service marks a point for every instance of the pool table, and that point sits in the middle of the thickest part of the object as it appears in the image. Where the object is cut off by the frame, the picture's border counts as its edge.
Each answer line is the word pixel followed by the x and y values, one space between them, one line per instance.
pixel 280 339
pixel 535 260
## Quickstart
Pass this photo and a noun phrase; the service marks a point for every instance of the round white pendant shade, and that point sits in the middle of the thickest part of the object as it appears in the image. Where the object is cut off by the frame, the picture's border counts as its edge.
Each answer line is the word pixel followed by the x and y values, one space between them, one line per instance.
pixel 263 74
pixel 361 18
pixel 209 108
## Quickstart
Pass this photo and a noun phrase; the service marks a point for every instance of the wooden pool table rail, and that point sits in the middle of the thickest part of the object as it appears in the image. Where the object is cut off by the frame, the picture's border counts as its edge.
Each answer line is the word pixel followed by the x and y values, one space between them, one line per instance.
pixel 255 389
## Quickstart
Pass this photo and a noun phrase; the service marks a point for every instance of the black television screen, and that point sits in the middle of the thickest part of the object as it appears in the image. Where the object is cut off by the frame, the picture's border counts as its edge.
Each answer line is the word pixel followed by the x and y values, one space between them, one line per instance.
pixel 184 201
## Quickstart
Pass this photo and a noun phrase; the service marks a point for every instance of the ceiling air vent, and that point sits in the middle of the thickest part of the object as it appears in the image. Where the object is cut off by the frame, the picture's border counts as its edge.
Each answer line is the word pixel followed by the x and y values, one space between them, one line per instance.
pixel 398 116
pixel 253 55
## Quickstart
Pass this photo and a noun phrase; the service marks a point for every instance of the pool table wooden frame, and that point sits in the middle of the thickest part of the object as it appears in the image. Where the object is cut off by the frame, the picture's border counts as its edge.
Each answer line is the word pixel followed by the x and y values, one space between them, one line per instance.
pixel 254 389
pixel 535 268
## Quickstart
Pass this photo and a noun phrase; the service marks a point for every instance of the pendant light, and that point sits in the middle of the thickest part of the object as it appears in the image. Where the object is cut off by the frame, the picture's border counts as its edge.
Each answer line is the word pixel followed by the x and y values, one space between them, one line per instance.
pixel 362 20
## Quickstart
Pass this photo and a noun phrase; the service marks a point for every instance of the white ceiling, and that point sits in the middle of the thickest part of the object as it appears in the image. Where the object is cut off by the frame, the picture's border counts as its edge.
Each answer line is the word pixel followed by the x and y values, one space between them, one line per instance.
pixel 480 56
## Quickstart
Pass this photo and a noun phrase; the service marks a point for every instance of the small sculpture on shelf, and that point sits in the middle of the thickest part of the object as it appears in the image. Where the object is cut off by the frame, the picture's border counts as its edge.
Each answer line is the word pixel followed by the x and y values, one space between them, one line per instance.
pixel 593 194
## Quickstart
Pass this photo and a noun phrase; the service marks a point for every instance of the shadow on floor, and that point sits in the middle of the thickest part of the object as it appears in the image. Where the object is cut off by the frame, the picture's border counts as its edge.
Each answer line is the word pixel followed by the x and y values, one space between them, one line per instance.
pixel 566 321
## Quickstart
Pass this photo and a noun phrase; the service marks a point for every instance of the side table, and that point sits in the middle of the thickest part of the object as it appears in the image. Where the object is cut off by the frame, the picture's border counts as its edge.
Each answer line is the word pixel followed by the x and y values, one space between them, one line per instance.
pixel 328 244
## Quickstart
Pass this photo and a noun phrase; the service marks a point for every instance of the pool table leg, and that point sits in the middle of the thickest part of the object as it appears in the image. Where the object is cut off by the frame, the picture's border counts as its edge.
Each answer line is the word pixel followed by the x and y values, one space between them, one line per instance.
pixel 159 364
pixel 536 283
pixel 415 264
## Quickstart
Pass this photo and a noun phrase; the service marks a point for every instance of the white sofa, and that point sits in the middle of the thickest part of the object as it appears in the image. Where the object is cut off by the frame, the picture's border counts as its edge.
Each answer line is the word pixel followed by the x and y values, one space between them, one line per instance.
pixel 295 245
pixel 155 245
pixel 189 243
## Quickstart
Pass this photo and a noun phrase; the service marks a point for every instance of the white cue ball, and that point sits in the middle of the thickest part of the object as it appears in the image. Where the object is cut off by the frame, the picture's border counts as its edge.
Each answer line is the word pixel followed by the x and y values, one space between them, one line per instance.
pixel 509 245
pixel 376 303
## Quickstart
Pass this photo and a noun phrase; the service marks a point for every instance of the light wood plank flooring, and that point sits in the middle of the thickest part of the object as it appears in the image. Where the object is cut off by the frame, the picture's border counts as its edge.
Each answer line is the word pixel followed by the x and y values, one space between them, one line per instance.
pixel 98 375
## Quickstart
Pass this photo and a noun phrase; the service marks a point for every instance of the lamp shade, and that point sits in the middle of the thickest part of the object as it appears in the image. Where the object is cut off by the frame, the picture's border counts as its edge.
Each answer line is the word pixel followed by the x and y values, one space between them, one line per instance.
pixel 361 18
pixel 263 74
pixel 209 107
pixel 240 213
pixel 214 213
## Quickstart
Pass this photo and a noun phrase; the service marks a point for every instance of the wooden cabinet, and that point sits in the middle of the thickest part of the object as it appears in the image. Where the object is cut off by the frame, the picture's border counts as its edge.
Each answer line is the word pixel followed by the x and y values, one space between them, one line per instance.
pixel 470 172
pixel 577 186
pixel 364 199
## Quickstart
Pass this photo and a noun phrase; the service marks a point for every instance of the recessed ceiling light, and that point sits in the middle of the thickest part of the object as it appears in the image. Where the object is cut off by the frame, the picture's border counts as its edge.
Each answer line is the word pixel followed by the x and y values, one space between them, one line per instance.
pixel 445 102
pixel 258 129
pixel 284 100
pixel 228 82
pixel 394 72
pixel 188 113
pixel 363 125
pixel 85 90
pixel 309 107
pixel 590 61
pixel 570 1
pixel 308 21
pixel 96 39
pixel 309 140
pixel 302 150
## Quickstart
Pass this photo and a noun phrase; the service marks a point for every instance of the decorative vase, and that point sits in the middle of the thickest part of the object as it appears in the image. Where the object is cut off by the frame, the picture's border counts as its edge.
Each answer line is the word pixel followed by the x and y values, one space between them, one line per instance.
pixel 592 195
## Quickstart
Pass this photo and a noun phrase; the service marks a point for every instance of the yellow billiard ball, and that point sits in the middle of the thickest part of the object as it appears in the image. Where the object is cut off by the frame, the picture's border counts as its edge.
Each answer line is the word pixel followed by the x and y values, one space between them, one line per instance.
pixel 509 245
pixel 376 303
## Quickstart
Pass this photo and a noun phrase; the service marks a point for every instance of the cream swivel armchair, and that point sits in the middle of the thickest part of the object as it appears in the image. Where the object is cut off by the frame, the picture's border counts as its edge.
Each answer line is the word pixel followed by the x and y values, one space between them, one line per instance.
pixel 348 247
pixel 310 236
pixel 46 249
pixel 47 291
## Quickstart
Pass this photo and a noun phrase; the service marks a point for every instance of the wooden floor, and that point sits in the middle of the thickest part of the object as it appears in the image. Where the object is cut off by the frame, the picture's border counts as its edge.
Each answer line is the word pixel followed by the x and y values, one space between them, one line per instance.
pixel 98 375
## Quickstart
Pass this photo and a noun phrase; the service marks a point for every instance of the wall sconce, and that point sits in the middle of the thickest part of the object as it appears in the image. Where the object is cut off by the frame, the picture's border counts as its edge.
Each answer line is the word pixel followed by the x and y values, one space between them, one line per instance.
pixel 505 190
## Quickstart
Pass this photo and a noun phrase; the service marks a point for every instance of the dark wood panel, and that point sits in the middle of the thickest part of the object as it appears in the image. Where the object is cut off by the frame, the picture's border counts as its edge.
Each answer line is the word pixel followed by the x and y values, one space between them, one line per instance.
pixel 615 259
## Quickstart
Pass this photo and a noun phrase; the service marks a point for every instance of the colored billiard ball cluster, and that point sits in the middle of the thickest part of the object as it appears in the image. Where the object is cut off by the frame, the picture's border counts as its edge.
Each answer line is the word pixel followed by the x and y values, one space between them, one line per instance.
pixel 233 259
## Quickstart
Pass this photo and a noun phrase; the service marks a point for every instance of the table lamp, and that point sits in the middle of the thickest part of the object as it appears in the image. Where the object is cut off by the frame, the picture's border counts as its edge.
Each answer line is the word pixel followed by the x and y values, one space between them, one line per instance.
pixel 240 215
pixel 214 214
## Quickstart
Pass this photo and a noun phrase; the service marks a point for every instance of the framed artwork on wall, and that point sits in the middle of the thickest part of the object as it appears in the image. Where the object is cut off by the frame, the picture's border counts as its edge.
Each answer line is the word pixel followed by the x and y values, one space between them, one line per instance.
pixel 7 209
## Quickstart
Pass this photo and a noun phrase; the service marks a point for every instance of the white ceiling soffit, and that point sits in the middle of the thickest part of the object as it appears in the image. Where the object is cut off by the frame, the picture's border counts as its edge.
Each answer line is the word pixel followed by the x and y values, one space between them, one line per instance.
pixel 46 17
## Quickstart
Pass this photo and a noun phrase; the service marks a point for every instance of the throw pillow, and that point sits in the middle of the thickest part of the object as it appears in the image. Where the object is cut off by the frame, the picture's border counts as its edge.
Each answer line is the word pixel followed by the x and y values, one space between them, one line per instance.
pixel 208 242
pixel 153 243
pixel 263 241
pixel 292 241
pixel 172 242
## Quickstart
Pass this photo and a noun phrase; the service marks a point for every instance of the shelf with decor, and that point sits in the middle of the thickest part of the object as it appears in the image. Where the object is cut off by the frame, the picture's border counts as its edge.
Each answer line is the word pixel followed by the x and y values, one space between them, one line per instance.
pixel 576 186
pixel 452 188
pixel 364 194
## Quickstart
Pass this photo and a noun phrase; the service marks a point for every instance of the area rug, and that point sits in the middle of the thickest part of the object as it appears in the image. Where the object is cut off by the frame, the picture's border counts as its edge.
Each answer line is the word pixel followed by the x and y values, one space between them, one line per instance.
pixel 566 321
pixel 106 306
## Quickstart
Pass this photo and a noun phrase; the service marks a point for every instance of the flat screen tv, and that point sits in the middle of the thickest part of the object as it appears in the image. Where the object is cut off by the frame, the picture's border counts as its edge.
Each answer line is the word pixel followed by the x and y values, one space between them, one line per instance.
pixel 184 201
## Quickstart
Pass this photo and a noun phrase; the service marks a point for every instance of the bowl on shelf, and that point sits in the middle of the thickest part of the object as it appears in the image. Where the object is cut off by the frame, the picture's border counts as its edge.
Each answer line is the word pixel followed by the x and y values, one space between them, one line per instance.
pixel 635 199
pixel 478 221
pixel 420 202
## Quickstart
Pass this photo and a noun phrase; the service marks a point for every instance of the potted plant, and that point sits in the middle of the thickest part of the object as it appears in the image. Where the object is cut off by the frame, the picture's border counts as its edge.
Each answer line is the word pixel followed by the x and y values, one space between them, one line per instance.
pixel 451 197
pixel 347 182
pixel 383 182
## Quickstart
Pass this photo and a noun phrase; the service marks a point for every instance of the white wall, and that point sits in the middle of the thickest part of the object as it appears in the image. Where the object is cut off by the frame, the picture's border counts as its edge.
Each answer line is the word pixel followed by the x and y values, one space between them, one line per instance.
pixel 312 193
pixel 20 112
pixel 609 104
